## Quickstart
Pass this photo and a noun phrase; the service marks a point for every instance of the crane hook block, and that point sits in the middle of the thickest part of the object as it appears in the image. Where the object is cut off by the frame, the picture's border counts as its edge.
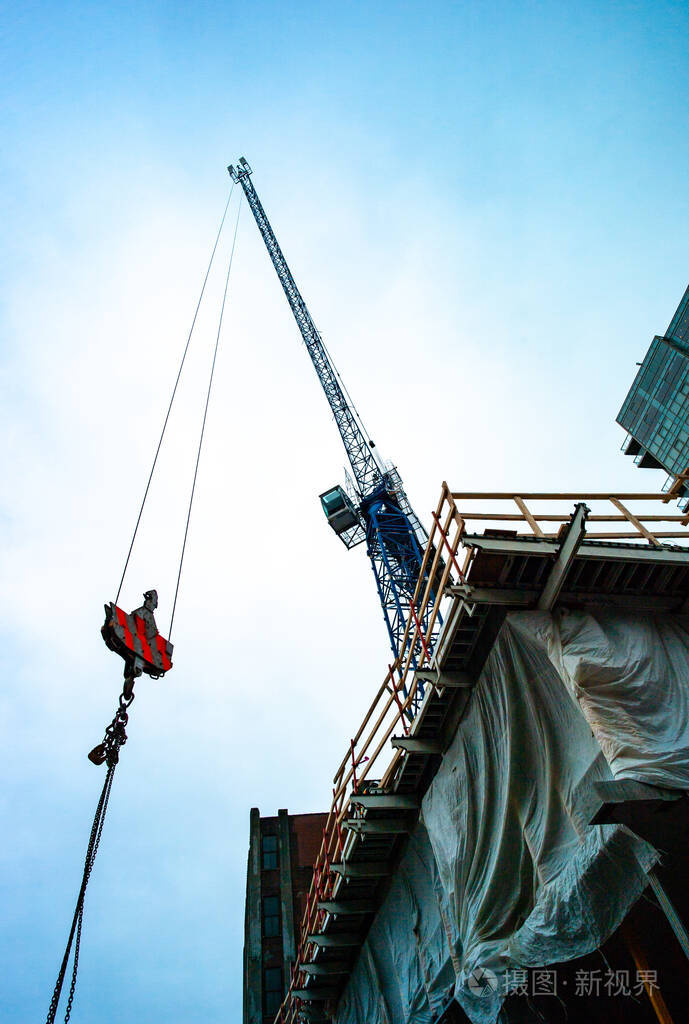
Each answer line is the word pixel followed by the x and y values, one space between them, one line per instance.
pixel 135 638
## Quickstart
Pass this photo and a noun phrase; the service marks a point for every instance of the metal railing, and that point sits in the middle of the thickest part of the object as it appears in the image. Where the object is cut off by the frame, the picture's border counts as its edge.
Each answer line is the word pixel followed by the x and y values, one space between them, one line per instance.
pixel 392 708
pixel 611 510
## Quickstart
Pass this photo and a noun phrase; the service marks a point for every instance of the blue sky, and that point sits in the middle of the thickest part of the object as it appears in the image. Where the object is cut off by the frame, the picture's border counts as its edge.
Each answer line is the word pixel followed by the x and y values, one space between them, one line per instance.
pixel 483 205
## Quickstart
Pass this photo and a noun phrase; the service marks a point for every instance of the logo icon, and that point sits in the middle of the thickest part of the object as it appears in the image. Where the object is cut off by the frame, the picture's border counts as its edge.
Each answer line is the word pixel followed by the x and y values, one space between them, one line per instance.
pixel 482 981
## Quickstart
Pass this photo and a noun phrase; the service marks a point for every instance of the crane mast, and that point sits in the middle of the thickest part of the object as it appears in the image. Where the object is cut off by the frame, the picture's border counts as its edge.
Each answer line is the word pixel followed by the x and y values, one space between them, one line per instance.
pixel 376 509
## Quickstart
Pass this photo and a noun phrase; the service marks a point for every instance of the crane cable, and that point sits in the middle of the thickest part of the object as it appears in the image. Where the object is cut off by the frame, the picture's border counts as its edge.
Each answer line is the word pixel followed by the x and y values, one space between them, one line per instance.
pixel 205 414
pixel 174 392
pixel 115 734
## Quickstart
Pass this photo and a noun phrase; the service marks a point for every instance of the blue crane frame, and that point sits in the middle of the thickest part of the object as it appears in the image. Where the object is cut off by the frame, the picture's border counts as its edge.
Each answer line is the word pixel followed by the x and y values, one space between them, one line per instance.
pixel 388 523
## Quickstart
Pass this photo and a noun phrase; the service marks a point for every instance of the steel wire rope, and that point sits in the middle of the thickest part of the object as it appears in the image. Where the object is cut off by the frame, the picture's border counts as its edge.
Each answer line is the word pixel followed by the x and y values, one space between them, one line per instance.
pixel 174 392
pixel 115 734
pixel 205 415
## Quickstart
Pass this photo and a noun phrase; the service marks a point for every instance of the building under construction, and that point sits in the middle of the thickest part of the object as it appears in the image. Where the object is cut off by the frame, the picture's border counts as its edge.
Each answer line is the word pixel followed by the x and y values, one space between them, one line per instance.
pixel 520 837
pixel 507 839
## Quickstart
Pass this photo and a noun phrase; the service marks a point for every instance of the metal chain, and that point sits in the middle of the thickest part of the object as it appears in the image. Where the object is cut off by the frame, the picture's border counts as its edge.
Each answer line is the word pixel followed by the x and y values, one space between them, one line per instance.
pixel 87 869
pixel 115 735
pixel 108 751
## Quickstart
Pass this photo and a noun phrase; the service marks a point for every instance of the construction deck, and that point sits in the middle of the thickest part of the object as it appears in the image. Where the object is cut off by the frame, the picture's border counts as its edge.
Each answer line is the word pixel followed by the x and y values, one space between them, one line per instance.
pixel 576 550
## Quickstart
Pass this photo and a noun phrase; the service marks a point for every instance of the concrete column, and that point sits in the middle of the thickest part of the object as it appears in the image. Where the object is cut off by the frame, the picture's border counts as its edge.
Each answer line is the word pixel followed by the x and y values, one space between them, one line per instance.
pixel 253 980
pixel 289 945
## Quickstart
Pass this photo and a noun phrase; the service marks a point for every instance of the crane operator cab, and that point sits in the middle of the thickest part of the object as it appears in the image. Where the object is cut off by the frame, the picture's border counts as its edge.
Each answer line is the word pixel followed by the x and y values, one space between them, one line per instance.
pixel 339 510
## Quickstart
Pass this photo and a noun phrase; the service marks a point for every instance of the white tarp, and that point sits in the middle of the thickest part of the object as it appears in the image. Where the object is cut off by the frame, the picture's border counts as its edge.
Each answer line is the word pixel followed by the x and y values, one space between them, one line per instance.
pixel 513 875
pixel 405 971
pixel 630 677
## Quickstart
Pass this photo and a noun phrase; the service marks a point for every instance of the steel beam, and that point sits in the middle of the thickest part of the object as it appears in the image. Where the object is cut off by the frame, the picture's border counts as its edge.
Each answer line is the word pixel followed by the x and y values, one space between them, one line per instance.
pixel 625 602
pixel 610 795
pixel 414 745
pixel 506 596
pixel 386 801
pixel 447 631
pixel 337 940
pixel 316 995
pixel 495 595
pixel 568 549
pixel 315 1016
pixel 347 908
pixel 371 869
pixel 452 680
pixel 611 550
pixel 377 826
pixel 325 967
pixel 511 545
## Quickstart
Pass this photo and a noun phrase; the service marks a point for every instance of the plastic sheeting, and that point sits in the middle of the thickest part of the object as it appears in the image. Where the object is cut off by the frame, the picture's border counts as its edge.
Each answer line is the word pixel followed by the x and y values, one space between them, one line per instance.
pixel 405 971
pixel 630 677
pixel 529 882
pixel 503 870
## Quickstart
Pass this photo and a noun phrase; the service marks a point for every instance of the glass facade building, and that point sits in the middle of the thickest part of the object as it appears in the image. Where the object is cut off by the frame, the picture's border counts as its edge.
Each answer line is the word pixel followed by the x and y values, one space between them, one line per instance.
pixel 655 413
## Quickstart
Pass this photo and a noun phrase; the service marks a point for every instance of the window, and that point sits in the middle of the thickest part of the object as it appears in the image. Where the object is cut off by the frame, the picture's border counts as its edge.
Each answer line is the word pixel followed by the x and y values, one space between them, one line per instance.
pixel 272 983
pixel 270 852
pixel 271 916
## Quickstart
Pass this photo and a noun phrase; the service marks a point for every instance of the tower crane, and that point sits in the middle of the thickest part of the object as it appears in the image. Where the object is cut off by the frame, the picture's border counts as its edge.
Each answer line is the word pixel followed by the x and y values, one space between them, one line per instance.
pixel 373 508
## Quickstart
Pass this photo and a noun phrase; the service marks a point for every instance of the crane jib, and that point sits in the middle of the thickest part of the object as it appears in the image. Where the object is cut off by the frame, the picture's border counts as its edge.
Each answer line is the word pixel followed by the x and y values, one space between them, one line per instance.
pixel 364 466
pixel 379 514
